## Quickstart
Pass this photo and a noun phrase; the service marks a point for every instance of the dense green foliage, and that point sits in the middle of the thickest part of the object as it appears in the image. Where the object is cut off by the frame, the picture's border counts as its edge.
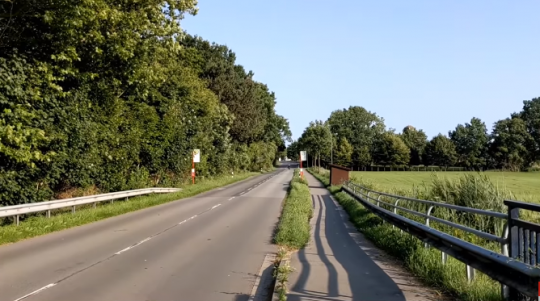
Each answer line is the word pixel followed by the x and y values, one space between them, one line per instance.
pixel 112 95
pixel 513 144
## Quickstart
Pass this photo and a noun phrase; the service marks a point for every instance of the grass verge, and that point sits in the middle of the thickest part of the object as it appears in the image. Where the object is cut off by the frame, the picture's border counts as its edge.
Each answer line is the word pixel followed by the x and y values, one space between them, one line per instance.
pixel 293 230
pixel 40 225
pixel 424 263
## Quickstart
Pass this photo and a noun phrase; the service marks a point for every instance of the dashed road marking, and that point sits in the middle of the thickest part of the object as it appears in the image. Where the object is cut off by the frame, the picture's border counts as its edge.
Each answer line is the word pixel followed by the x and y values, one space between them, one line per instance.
pixel 216 206
pixel 36 291
pixel 133 246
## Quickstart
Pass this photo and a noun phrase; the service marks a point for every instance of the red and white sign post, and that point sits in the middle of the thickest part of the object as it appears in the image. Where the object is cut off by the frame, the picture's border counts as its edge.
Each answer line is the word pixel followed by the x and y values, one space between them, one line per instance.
pixel 195 158
pixel 303 157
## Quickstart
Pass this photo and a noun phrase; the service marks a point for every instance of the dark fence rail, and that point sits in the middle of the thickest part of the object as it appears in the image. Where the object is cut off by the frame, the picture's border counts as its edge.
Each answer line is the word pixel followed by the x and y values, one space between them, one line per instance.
pixel 515 267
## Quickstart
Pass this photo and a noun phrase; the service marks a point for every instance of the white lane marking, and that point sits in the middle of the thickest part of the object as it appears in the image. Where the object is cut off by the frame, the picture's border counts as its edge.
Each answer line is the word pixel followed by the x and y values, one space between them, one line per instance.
pixel 36 291
pixel 231 198
pixel 133 246
pixel 216 206
pixel 192 217
pixel 182 222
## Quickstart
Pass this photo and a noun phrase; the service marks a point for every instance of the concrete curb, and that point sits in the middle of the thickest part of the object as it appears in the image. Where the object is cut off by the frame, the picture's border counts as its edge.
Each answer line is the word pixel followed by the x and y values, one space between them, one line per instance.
pixel 285 262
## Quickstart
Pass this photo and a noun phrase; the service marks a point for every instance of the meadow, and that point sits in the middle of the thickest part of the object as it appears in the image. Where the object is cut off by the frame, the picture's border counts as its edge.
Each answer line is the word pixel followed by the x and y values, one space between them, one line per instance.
pixel 524 186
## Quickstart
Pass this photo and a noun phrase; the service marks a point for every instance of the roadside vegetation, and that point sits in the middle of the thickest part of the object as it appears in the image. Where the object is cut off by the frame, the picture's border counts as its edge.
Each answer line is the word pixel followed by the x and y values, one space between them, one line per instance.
pixel 100 102
pixel 39 225
pixel 473 190
pixel 293 230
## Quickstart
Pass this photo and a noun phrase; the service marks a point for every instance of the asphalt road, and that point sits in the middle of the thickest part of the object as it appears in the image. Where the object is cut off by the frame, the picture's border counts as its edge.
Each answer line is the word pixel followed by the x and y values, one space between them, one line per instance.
pixel 208 247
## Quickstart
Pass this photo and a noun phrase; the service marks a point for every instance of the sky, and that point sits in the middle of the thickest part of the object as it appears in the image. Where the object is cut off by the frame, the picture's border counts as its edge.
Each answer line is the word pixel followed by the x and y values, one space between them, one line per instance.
pixel 431 64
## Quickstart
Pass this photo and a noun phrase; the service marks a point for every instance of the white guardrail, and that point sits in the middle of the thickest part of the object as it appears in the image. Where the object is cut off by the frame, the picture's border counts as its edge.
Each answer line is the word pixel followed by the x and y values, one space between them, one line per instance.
pixel 73 202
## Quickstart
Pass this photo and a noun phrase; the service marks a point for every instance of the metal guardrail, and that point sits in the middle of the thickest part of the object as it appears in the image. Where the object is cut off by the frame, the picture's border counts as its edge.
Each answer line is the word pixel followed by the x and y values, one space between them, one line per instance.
pixel 515 267
pixel 18 210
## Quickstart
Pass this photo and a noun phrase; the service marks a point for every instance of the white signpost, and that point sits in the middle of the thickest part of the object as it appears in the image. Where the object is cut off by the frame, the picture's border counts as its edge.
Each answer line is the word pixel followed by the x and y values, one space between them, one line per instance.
pixel 195 158
pixel 303 156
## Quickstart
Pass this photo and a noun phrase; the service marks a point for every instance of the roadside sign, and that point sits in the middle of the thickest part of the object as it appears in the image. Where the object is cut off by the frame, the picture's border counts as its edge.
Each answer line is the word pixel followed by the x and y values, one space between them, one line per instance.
pixel 303 156
pixel 196 156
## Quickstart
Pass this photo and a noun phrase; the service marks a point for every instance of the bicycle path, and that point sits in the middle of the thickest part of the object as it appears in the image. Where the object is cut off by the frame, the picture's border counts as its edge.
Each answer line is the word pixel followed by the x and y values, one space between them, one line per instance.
pixel 340 264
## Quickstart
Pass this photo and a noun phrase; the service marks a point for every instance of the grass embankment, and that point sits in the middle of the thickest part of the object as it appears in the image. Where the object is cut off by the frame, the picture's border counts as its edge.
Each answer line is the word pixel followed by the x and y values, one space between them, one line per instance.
pixel 293 230
pixel 40 225
pixel 426 263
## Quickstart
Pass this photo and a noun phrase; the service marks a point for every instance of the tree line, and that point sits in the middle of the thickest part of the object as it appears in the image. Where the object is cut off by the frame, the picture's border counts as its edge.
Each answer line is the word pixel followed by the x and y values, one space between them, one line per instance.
pixel 358 138
pixel 114 95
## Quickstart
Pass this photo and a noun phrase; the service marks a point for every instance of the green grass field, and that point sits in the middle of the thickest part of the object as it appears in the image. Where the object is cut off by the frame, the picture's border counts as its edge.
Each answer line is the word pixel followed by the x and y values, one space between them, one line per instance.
pixel 525 185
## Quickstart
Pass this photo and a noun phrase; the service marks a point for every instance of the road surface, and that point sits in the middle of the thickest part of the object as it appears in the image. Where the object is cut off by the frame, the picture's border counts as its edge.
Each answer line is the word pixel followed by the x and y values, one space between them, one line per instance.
pixel 208 247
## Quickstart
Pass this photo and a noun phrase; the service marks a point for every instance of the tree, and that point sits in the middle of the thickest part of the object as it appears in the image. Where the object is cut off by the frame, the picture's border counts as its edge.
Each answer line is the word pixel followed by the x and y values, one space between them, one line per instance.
pixel 343 152
pixel 530 114
pixel 416 141
pixel 118 100
pixel 391 150
pixel 471 141
pixel 360 127
pixel 293 151
pixel 440 151
pixel 316 140
pixel 509 141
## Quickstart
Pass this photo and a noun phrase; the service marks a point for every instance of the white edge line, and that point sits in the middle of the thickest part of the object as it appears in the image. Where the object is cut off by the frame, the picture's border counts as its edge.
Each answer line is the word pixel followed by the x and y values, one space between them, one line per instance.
pixel 216 206
pixel 36 291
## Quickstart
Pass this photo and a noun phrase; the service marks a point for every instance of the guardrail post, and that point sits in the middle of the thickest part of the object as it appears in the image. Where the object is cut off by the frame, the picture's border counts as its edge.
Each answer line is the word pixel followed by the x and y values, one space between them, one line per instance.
pixel 505 293
pixel 73 209
pixel 426 245
pixel 444 257
pixel 95 204
pixel 513 244
pixel 470 274
pixel 395 212
pixel 48 213
pixel 16 220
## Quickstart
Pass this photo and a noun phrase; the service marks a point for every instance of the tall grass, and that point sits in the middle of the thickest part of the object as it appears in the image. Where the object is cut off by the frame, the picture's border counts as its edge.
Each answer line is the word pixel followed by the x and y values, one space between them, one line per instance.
pixel 473 190
pixel 293 228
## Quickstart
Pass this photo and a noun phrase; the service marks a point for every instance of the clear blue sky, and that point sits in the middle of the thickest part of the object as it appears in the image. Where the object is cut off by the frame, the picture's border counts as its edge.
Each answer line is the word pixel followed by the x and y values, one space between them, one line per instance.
pixel 431 64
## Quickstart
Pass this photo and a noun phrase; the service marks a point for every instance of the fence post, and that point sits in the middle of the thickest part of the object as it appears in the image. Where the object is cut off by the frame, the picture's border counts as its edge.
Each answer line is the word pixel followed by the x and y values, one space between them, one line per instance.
pixel 513 243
